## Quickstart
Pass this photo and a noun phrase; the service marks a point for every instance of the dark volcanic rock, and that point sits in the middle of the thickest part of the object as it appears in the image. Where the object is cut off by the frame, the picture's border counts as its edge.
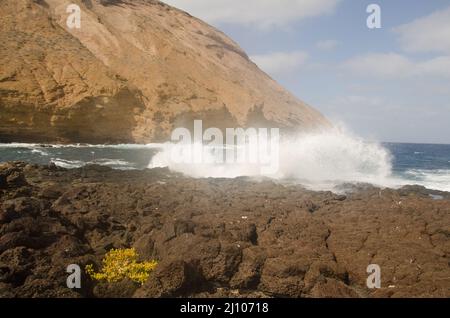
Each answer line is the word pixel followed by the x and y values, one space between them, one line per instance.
pixel 173 279
pixel 217 238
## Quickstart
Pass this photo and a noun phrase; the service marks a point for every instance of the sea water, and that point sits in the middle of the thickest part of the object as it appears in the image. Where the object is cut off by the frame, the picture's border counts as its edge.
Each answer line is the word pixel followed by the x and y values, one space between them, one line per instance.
pixel 318 162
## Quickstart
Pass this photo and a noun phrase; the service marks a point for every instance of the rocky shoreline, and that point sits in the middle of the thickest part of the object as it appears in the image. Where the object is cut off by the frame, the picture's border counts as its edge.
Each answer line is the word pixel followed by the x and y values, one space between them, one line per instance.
pixel 218 237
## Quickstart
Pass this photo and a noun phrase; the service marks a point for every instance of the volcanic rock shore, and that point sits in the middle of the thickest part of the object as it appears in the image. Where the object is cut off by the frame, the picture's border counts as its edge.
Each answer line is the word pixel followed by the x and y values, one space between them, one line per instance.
pixel 217 237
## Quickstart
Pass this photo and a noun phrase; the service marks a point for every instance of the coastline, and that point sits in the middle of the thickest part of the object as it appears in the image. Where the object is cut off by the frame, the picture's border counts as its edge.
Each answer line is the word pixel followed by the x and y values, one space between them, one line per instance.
pixel 218 237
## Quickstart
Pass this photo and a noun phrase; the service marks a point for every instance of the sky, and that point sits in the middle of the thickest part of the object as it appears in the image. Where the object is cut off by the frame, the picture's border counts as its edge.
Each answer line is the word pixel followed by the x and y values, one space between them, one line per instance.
pixel 388 84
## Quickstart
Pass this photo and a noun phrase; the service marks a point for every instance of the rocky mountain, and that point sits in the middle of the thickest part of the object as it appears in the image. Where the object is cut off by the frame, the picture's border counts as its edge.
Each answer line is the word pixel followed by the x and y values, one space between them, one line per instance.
pixel 133 70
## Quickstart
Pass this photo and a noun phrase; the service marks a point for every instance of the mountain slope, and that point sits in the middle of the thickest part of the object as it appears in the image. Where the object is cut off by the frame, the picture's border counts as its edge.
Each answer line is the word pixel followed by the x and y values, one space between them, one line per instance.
pixel 132 72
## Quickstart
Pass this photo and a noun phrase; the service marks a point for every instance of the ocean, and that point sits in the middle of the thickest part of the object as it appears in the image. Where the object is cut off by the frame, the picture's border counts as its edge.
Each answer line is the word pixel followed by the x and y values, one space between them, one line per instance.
pixel 423 164
pixel 413 164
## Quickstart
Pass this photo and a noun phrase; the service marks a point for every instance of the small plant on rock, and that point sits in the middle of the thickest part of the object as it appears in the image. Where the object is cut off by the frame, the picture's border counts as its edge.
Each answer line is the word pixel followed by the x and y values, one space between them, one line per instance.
pixel 122 263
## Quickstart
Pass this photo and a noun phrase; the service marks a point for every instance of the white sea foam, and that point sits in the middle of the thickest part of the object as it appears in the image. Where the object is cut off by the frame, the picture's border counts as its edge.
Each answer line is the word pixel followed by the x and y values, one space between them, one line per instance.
pixel 319 161
pixel 431 179
pixel 40 152
pixel 205 169
pixel 114 163
pixel 68 164
pixel 116 146
pixel 18 145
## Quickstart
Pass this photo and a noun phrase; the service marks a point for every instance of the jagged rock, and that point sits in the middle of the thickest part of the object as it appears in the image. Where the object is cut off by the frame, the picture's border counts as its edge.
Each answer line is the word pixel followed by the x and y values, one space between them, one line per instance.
pixel 172 279
pixel 123 289
pixel 145 246
pixel 331 288
pixel 206 248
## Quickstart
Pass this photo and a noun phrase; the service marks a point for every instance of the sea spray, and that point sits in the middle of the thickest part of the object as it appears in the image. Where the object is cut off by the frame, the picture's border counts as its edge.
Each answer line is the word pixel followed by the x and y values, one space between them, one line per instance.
pixel 334 157
pixel 320 160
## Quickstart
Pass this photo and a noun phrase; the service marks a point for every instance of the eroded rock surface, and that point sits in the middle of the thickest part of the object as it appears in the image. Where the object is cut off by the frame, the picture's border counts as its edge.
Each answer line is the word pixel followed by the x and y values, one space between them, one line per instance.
pixel 217 237
pixel 133 71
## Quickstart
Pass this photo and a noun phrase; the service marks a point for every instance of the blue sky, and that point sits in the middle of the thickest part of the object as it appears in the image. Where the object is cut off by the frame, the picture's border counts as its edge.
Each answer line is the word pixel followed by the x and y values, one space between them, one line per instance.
pixel 388 84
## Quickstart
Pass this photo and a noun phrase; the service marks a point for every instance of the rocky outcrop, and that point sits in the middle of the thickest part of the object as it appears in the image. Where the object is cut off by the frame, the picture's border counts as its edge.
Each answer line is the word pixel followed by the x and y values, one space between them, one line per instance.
pixel 132 72
pixel 217 237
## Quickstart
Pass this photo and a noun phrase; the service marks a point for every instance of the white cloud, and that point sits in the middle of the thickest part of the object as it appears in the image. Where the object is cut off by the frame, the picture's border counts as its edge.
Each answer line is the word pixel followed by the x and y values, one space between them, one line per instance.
pixel 360 100
pixel 280 62
pixel 427 34
pixel 327 45
pixel 259 13
pixel 392 65
pixel 439 66
pixel 381 65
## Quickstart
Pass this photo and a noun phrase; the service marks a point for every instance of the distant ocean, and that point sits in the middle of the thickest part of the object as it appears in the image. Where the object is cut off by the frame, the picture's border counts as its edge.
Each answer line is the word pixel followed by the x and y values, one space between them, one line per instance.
pixel 422 164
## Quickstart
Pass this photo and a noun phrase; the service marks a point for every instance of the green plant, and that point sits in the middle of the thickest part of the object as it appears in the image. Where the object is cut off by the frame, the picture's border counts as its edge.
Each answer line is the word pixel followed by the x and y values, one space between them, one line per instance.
pixel 122 263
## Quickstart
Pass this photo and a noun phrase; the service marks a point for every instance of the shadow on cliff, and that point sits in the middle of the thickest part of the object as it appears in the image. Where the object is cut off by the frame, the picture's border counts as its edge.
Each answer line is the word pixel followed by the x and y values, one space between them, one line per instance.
pixel 99 119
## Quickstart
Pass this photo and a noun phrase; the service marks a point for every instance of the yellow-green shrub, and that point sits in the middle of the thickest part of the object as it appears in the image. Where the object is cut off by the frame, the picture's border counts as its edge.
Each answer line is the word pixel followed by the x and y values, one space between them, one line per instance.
pixel 122 263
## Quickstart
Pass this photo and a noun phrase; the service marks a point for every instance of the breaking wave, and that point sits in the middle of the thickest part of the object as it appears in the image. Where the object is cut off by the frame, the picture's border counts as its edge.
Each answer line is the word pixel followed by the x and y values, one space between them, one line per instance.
pixel 319 161
pixel 68 164
pixel 431 179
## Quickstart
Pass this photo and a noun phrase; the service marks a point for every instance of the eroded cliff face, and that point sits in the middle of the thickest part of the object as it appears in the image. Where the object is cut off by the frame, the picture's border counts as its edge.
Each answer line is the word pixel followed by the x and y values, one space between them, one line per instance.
pixel 131 73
